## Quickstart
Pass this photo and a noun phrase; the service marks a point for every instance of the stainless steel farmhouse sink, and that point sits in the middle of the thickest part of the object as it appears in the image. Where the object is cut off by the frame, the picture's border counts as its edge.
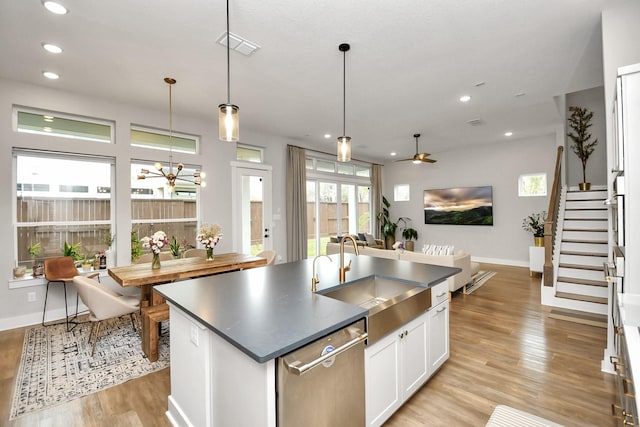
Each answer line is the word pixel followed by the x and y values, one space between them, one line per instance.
pixel 391 302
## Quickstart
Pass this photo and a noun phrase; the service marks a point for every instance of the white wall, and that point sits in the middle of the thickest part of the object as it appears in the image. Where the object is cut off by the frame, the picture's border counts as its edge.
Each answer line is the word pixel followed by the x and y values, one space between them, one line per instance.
pixel 215 158
pixel 592 100
pixel 498 165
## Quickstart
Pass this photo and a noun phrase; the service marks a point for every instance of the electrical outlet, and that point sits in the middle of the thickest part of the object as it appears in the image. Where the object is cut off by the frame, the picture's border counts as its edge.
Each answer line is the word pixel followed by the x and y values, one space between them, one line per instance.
pixel 194 334
pixel 31 296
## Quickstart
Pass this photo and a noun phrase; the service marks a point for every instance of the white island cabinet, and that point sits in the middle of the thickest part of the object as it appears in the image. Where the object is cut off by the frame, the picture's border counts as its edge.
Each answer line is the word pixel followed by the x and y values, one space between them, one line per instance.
pixel 215 384
pixel 397 365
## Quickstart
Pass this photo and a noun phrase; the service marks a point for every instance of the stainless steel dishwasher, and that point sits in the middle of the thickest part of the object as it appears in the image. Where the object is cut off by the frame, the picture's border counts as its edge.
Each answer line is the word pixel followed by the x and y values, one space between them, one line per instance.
pixel 322 383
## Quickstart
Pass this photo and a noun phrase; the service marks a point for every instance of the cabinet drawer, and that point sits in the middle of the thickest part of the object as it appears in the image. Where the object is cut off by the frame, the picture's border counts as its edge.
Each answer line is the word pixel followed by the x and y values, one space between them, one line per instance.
pixel 439 293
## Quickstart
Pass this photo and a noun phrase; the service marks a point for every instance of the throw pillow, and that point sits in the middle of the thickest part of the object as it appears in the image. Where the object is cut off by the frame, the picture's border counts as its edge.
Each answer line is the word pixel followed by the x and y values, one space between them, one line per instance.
pixel 362 237
pixel 371 241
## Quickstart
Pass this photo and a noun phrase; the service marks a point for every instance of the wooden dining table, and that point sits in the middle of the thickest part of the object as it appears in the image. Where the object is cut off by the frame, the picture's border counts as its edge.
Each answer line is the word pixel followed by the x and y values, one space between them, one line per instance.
pixel 143 276
pixel 153 307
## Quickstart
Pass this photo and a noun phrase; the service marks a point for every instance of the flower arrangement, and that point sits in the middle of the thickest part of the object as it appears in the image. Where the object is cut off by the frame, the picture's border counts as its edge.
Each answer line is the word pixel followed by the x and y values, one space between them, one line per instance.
pixel 156 242
pixel 209 235
pixel 534 223
pixel 398 245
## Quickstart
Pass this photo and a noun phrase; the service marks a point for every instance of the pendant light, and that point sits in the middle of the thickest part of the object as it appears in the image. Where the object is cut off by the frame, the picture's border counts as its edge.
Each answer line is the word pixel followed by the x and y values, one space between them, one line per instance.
pixel 228 114
pixel 344 141
pixel 169 175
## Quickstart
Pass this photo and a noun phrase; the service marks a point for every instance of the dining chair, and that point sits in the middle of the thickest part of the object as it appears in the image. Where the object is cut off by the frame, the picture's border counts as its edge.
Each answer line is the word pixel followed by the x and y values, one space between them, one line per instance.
pixel 61 270
pixel 103 304
pixel 269 255
pixel 195 253
pixel 164 256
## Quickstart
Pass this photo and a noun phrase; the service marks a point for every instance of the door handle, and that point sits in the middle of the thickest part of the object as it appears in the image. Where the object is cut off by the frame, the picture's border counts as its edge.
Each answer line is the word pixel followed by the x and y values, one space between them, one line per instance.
pixel 301 370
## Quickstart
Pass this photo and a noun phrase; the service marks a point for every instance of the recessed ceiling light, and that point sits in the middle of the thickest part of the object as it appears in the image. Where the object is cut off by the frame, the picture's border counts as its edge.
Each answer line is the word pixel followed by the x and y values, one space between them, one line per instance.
pixel 51 48
pixel 54 7
pixel 509 133
pixel 393 153
pixel 50 75
pixel 465 98
pixel 48 118
pixel 327 135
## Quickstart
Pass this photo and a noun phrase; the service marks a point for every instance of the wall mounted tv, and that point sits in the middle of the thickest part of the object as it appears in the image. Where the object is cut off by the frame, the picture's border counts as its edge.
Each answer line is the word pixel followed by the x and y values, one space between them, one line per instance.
pixel 459 206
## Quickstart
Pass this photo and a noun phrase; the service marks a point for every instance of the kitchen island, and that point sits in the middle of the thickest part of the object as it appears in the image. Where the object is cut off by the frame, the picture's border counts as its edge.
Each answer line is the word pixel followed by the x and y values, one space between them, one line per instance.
pixel 228 330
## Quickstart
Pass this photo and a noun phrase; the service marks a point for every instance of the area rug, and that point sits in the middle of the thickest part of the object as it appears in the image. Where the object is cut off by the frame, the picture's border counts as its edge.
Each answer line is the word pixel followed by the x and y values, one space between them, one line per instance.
pixel 478 280
pixel 56 365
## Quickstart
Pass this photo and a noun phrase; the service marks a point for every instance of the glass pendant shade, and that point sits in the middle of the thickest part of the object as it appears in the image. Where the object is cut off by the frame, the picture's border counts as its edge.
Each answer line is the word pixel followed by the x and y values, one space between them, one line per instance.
pixel 229 122
pixel 344 149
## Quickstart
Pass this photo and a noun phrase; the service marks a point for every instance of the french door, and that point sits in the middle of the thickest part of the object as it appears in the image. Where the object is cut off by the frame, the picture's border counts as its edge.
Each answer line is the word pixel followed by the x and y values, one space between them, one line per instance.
pixel 251 208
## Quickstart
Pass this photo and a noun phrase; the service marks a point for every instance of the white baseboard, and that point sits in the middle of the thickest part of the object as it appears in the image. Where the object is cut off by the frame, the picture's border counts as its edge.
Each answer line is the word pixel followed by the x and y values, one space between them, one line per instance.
pixel 32 319
pixel 511 262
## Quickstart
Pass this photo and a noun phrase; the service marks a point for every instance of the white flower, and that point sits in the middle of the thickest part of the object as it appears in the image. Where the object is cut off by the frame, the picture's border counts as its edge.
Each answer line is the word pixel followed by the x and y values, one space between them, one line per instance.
pixel 209 235
pixel 398 245
pixel 156 242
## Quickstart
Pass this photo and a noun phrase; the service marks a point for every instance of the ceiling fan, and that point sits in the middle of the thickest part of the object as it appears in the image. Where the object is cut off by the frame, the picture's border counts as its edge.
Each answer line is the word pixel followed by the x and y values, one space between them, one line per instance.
pixel 418 157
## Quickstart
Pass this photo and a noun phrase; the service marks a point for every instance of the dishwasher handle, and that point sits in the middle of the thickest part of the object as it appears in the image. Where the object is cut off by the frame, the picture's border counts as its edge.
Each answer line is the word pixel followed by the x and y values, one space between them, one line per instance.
pixel 301 370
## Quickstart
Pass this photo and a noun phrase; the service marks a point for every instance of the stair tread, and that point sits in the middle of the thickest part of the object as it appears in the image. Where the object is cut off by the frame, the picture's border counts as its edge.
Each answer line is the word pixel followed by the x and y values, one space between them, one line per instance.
pixel 583 267
pixel 585 219
pixel 579 253
pixel 578 297
pixel 594 230
pixel 579 281
pixel 594 208
pixel 599 242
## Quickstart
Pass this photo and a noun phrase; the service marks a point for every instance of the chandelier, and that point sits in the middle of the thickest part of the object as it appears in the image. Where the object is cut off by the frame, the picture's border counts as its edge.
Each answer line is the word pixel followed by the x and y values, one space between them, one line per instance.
pixel 170 176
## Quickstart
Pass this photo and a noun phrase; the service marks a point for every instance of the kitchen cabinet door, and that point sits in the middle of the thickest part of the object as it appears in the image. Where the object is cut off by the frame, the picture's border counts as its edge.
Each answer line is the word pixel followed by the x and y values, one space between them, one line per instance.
pixel 438 336
pixel 415 363
pixel 382 379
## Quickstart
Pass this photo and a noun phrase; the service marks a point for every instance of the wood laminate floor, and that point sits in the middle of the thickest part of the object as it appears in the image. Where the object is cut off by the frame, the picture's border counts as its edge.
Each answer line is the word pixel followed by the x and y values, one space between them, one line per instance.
pixel 504 350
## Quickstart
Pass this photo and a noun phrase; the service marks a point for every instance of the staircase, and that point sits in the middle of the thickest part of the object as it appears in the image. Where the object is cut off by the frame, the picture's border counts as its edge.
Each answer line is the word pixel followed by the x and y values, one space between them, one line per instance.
pixel 582 241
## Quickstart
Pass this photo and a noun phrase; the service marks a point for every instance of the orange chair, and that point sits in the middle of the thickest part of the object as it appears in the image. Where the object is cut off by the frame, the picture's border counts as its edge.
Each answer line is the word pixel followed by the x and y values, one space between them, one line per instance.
pixel 61 270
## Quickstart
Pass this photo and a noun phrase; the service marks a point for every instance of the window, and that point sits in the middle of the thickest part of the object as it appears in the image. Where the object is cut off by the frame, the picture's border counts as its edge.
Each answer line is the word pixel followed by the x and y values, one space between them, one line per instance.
pixel 154 207
pixel 534 184
pixel 51 208
pixel 338 201
pixel 55 124
pixel 247 153
pixel 160 140
pixel 401 192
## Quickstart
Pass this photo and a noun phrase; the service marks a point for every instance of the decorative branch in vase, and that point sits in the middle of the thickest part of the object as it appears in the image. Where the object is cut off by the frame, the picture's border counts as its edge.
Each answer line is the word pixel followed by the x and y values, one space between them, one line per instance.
pixel 580 122
pixel 209 237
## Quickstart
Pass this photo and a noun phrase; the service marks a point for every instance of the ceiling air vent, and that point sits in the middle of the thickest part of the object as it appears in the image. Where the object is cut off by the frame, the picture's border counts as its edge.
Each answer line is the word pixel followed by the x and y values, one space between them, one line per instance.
pixel 238 44
pixel 475 122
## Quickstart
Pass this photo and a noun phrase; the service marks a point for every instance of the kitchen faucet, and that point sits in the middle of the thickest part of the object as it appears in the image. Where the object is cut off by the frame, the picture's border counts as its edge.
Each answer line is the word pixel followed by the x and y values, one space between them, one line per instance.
pixel 314 278
pixel 343 269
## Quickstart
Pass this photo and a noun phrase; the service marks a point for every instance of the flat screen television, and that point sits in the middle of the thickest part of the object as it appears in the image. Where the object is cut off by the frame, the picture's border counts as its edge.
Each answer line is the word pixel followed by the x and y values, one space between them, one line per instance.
pixel 459 206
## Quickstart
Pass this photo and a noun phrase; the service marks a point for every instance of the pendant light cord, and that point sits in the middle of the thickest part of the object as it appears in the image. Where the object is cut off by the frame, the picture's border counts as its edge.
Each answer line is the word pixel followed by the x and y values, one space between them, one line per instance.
pixel 170 129
pixel 228 59
pixel 344 92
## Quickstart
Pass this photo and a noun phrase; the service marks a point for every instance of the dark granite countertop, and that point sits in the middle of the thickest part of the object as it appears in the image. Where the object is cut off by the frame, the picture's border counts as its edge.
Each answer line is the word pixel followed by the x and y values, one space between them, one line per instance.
pixel 267 312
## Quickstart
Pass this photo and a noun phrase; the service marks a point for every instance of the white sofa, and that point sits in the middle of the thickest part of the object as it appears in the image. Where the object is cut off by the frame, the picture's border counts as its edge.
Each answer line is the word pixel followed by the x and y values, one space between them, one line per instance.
pixel 460 260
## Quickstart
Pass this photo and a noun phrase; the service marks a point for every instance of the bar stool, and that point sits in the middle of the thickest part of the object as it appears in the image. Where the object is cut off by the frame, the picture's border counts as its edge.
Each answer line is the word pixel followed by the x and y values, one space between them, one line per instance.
pixel 61 270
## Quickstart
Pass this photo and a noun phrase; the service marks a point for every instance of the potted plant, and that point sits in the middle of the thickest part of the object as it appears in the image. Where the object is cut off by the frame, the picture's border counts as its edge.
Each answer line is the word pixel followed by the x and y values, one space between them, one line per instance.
pixel 136 247
pixel 534 224
pixel 387 227
pixel 174 247
pixel 72 250
pixel 34 251
pixel 87 262
pixel 580 122
pixel 409 234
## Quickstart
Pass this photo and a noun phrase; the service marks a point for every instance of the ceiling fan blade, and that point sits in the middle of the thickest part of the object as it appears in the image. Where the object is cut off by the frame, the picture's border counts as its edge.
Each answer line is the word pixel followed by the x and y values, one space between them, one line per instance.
pixel 421 156
pixel 428 161
pixel 410 159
